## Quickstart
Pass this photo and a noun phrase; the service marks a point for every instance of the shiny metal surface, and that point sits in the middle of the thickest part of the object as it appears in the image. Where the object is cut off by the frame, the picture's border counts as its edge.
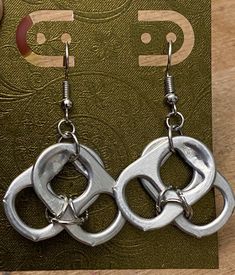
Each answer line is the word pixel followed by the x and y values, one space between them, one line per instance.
pixel 183 223
pixel 148 166
pixel 205 230
pixel 48 165
pixel 23 181
pixel 172 99
pixel 64 212
pixel 153 192
pixel 68 123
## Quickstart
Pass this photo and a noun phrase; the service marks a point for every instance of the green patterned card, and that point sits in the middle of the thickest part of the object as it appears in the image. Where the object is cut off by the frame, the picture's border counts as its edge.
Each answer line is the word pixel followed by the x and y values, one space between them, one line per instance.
pixel 117 88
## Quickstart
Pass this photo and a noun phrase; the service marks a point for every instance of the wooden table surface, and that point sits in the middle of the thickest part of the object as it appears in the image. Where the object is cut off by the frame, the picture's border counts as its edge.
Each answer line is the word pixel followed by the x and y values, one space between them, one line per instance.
pixel 223 81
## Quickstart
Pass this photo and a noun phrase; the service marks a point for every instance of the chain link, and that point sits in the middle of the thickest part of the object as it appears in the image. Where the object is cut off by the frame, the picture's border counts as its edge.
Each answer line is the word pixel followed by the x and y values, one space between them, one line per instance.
pixel 66 122
pixel 56 218
pixel 162 201
pixel 175 127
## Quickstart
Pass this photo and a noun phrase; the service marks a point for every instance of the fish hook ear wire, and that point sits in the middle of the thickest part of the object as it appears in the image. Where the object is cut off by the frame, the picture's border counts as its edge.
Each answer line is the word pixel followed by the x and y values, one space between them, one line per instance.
pixel 169 58
pixel 66 61
pixel 172 99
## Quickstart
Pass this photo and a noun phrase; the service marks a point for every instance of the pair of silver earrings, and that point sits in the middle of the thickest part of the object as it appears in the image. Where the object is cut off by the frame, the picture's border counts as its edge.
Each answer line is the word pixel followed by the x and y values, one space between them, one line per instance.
pixel 172 205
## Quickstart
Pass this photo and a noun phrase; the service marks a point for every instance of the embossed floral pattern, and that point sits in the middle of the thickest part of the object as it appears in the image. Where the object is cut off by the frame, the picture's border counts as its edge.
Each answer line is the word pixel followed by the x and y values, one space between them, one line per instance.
pixel 106 46
pixel 117 110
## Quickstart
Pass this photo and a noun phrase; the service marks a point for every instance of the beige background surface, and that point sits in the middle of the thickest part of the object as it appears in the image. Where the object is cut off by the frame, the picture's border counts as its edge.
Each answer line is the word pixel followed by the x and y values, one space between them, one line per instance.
pixel 223 80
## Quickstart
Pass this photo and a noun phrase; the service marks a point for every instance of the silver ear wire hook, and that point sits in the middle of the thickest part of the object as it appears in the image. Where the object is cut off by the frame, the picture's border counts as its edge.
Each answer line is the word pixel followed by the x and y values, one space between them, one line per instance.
pixel 169 82
pixel 66 60
pixel 172 99
pixel 169 55
pixel 67 105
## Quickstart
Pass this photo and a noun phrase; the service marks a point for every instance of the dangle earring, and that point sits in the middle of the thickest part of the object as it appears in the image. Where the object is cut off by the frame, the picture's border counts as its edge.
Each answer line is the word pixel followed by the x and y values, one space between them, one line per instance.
pixel 175 205
pixel 63 212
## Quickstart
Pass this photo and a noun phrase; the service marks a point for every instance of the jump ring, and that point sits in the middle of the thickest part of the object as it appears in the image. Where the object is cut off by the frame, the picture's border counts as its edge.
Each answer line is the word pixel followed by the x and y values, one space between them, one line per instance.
pixel 64 135
pixel 176 127
pixel 188 210
pixel 161 202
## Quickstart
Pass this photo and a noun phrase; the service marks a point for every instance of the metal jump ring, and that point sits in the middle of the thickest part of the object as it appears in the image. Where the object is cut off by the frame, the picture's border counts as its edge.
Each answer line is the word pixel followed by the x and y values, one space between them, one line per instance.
pixel 64 135
pixel 160 198
pixel 188 210
pixel 181 200
pixel 176 127
pixel 53 218
pixel 62 211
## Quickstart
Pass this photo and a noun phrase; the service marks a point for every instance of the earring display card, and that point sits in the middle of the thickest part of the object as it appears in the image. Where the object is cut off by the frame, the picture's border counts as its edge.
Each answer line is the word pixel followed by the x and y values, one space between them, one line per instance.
pixel 117 89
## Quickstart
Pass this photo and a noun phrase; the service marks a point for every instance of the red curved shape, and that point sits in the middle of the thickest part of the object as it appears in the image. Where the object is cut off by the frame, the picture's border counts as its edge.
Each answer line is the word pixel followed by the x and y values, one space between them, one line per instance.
pixel 21 35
